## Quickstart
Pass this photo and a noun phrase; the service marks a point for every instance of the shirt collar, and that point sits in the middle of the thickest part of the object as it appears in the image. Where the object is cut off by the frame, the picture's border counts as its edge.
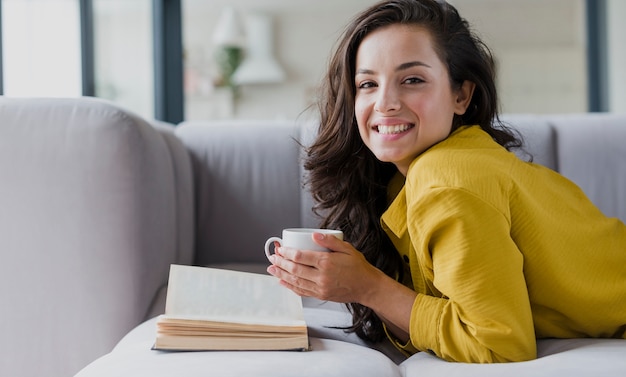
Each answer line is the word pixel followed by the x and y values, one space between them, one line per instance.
pixel 394 218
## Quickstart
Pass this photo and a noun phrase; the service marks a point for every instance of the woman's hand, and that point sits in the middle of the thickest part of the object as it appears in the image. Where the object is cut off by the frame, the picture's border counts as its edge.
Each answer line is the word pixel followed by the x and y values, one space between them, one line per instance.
pixel 342 275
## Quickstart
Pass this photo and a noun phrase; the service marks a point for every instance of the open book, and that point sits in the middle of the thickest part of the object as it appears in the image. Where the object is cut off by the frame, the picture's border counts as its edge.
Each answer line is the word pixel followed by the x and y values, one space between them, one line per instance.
pixel 215 309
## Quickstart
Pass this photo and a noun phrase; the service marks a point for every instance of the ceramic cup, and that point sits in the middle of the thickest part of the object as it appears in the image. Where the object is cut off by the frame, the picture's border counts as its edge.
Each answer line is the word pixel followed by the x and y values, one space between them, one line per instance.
pixel 300 238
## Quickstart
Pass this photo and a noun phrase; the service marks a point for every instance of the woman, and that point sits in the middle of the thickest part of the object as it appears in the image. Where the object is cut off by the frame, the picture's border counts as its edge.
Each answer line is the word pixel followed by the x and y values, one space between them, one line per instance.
pixel 454 245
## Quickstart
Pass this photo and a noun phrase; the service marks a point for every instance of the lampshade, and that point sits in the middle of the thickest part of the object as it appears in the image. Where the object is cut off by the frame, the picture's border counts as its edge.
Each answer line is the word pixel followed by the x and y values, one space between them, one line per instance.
pixel 259 65
pixel 228 30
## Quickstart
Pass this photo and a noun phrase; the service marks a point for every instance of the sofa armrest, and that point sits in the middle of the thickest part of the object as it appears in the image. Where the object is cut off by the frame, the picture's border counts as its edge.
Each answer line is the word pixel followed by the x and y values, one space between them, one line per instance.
pixel 183 191
pixel 87 230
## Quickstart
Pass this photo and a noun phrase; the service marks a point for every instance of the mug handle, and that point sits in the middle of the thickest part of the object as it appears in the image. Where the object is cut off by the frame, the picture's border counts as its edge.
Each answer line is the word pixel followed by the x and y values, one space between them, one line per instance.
pixel 269 242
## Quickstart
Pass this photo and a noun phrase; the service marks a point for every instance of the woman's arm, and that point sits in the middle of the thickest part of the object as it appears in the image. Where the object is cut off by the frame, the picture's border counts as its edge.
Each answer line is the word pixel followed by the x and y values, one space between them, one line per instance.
pixel 480 309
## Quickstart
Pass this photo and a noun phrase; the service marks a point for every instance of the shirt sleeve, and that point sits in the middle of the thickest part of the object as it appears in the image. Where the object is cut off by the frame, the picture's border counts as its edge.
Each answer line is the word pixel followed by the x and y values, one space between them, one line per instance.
pixel 406 348
pixel 480 310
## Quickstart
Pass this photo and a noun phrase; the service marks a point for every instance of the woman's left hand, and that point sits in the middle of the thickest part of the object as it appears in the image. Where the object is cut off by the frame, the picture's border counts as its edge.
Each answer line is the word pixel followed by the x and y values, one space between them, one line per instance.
pixel 342 275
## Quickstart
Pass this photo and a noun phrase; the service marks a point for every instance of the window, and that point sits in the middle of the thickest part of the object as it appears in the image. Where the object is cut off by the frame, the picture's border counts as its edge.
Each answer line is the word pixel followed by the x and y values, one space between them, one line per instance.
pixel 123 53
pixel 41 48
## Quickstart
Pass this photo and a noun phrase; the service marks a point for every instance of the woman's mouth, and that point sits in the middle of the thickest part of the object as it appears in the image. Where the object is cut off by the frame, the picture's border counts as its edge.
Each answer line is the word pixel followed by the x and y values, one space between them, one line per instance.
pixel 394 129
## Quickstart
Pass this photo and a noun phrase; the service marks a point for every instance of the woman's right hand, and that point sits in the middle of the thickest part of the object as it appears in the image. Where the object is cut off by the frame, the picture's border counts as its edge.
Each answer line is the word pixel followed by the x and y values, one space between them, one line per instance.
pixel 340 275
pixel 344 275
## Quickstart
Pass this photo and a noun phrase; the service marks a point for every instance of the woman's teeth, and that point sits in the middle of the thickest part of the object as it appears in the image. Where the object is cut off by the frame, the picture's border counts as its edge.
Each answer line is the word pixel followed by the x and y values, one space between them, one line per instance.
pixel 389 130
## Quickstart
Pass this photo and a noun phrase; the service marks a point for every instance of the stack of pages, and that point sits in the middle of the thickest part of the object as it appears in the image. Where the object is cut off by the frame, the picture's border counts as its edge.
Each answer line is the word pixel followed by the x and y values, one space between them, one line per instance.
pixel 215 309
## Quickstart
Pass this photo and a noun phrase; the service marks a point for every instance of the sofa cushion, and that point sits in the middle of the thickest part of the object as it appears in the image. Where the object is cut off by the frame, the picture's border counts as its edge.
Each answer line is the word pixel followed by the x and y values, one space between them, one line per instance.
pixel 538 137
pixel 592 153
pixel 133 357
pixel 247 182
pixel 556 357
pixel 334 356
pixel 308 131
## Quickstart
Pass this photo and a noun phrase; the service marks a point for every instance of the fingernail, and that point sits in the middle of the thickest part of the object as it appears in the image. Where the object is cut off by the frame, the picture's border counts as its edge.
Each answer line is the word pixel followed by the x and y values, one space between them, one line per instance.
pixel 319 236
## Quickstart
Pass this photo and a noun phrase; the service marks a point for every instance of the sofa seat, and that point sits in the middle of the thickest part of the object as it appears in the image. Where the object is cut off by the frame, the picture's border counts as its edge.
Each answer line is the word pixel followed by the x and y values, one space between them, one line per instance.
pixel 333 353
pixel 556 358
pixel 333 356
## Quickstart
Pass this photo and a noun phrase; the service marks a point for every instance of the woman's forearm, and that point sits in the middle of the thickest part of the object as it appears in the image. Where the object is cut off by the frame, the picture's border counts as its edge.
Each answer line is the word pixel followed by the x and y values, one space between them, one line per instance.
pixel 392 302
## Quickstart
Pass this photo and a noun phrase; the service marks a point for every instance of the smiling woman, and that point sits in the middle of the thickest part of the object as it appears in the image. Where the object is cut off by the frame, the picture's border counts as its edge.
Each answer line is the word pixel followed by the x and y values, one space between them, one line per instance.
pixel 453 244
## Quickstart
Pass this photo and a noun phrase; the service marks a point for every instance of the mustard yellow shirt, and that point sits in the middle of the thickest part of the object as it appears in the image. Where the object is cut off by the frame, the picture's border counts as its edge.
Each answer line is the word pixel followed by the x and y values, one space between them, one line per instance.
pixel 501 252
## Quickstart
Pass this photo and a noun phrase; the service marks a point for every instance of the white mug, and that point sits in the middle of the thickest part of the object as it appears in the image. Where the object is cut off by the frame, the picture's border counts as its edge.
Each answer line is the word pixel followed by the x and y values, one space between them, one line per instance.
pixel 300 238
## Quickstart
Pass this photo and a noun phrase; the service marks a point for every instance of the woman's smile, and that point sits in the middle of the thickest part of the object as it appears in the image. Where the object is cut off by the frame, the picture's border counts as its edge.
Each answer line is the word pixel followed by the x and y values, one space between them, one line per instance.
pixel 393 129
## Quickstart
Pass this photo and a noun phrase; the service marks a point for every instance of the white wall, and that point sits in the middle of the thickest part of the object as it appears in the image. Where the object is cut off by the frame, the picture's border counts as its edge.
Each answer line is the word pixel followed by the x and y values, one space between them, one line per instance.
pixel 305 32
pixel 539 46
pixel 540 51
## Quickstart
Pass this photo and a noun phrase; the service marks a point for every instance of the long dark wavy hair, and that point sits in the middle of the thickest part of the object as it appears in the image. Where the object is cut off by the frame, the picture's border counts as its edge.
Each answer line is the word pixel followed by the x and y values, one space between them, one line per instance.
pixel 348 184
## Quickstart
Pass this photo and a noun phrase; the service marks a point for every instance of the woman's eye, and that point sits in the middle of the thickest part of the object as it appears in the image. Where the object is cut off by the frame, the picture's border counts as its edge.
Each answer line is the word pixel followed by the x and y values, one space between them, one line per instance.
pixel 413 80
pixel 366 85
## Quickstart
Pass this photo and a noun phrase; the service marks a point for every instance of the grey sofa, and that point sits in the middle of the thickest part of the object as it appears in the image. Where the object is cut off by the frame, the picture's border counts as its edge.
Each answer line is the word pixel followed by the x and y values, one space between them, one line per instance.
pixel 96 203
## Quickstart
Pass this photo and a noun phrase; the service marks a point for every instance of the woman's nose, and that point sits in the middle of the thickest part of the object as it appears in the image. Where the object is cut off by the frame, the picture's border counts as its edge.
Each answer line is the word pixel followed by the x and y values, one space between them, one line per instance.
pixel 387 100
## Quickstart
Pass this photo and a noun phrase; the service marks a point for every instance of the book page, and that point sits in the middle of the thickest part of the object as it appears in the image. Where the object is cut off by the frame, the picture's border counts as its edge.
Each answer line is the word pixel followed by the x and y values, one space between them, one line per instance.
pixel 230 296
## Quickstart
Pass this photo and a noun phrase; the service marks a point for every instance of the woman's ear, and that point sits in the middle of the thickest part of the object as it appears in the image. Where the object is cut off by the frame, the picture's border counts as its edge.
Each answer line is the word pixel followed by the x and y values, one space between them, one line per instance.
pixel 463 97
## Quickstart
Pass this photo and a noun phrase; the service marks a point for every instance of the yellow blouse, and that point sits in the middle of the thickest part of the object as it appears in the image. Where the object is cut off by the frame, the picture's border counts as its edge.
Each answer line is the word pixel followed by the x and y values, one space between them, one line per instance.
pixel 502 251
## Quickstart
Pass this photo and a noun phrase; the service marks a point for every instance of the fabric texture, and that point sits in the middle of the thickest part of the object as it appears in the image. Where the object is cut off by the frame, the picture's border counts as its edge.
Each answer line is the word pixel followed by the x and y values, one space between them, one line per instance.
pixel 556 357
pixel 336 357
pixel 87 230
pixel 247 187
pixel 183 187
pixel 538 136
pixel 591 152
pixel 500 250
pixel 332 358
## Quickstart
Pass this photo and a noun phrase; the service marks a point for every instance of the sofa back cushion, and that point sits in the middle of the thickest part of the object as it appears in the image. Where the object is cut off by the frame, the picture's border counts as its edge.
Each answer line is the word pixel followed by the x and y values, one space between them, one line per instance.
pixel 248 175
pixel 247 182
pixel 592 152
pixel 538 137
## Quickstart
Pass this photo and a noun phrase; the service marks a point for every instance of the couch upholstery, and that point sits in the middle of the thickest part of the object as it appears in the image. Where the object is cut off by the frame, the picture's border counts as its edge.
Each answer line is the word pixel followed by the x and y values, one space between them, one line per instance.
pixel 95 203
pixel 90 219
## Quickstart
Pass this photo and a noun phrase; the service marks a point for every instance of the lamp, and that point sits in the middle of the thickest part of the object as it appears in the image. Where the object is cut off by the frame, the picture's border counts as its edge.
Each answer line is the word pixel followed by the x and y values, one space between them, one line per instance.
pixel 259 65
pixel 227 31
pixel 228 39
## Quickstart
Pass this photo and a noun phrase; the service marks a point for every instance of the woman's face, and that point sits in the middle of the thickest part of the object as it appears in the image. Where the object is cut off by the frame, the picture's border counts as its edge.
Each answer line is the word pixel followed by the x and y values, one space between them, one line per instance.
pixel 404 100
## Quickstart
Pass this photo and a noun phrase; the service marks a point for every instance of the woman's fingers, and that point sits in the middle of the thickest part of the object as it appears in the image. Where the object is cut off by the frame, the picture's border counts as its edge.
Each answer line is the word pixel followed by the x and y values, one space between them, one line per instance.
pixel 336 276
pixel 329 241
pixel 292 275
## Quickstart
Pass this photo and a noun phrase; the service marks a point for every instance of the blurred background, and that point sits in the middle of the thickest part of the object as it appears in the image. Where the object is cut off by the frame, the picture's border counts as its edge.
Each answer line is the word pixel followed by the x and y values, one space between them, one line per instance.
pixel 178 60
